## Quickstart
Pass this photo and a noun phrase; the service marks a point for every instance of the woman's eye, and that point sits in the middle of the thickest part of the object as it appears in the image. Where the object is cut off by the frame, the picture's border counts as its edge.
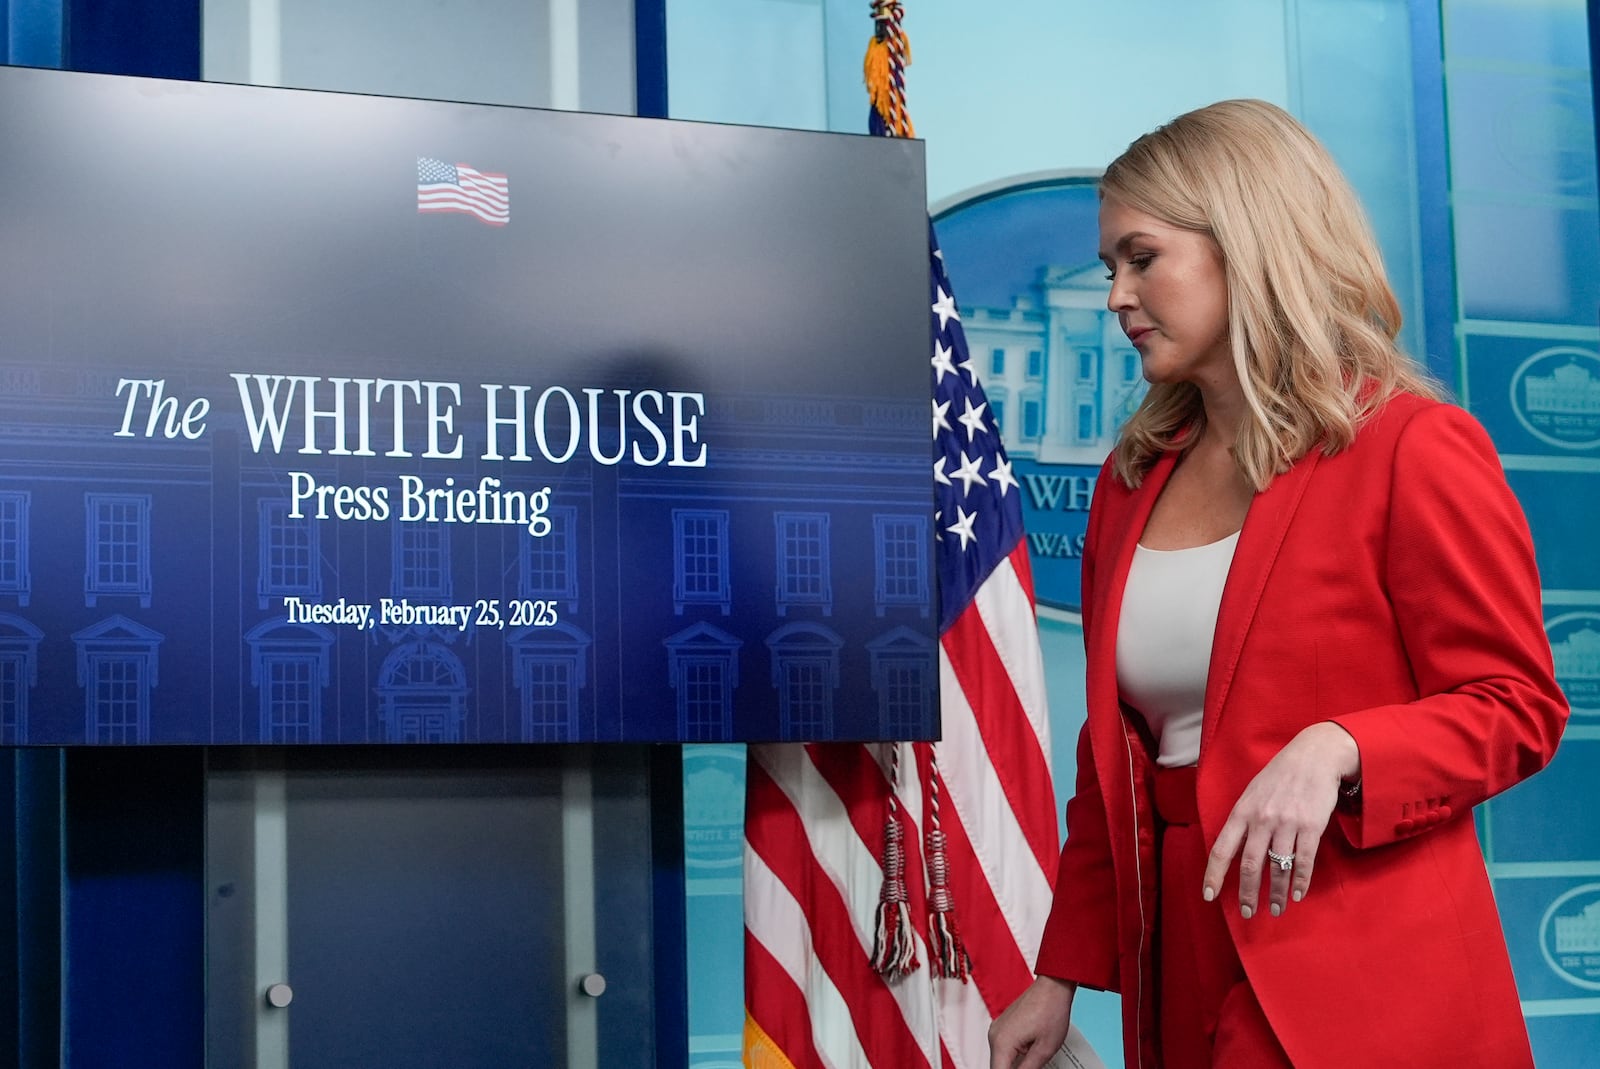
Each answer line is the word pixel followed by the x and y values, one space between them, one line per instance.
pixel 1138 262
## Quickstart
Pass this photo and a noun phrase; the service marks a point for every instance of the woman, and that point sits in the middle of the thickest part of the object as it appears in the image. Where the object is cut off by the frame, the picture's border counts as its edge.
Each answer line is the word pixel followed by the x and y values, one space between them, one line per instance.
pixel 1314 644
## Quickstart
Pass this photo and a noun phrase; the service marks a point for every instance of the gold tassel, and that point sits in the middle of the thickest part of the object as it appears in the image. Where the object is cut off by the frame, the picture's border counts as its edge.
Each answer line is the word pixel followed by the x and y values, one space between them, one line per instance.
pixel 876 72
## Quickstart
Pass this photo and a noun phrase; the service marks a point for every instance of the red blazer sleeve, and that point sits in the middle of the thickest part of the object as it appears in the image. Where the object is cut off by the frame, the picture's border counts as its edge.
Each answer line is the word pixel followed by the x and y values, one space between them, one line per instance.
pixel 1461 577
pixel 1079 942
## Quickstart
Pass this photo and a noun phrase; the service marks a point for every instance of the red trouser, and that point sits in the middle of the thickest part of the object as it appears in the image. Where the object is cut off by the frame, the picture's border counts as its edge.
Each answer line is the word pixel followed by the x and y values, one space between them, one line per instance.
pixel 1210 1018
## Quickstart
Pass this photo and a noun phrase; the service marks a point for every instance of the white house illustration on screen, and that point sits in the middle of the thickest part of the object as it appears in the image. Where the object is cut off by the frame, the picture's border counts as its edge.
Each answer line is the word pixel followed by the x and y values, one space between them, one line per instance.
pixel 1059 373
pixel 1579 934
pixel 1569 389
pixel 1578 655
pixel 1577 661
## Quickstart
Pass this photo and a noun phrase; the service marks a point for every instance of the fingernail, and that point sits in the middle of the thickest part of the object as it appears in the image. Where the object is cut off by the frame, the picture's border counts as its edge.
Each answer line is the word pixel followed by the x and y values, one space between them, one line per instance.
pixel 1209 893
pixel 1277 910
pixel 1246 912
pixel 1298 895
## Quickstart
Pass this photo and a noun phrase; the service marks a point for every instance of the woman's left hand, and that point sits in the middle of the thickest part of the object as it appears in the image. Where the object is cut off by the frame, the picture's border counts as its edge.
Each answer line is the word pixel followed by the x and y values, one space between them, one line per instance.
pixel 1285 810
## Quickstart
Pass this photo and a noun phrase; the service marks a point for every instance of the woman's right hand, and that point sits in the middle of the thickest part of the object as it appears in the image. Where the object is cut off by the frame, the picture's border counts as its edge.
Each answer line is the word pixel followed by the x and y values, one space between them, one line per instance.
pixel 1032 1029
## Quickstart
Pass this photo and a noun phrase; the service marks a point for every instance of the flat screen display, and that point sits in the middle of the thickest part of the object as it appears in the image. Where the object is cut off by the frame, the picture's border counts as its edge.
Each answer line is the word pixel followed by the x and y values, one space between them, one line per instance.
pixel 340 419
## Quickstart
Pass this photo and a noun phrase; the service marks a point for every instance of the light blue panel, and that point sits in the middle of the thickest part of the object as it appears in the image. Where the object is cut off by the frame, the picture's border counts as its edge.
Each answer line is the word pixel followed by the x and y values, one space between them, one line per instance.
pixel 34 32
pixel 488 51
pixel 1564 511
pixel 757 62
pixel 1555 250
pixel 1544 32
pixel 1545 820
pixel 713 810
pixel 1523 169
pixel 1036 85
pixel 713 849
pixel 417 48
pixel 1524 130
pixel 716 967
pixel 847 30
pixel 1549 958
pixel 1522 161
pixel 1564 1040
pixel 1350 83
pixel 1535 391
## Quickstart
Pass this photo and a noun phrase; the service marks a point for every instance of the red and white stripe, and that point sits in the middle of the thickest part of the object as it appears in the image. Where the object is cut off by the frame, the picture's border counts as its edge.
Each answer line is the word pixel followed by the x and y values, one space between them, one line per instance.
pixel 814 832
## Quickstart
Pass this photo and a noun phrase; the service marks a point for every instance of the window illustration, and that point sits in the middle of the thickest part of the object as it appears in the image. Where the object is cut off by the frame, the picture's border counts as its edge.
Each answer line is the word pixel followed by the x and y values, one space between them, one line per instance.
pixel 805 673
pixel 289 554
pixel 997 363
pixel 13 699
pixel 1130 366
pixel 547 699
pixel 700 558
pixel 549 565
pixel 289 667
pixel 15 577
pixel 703 671
pixel 19 672
pixel 289 696
pixel 118 687
pixel 422 694
pixel 901 557
pixel 903 679
pixel 997 410
pixel 1086 362
pixel 117 669
pixel 117 547
pixel 1086 422
pixel 1035 363
pixel 804 567
pixel 551 668
pixel 702 692
pixel 1032 417
pixel 422 561
pixel 805 697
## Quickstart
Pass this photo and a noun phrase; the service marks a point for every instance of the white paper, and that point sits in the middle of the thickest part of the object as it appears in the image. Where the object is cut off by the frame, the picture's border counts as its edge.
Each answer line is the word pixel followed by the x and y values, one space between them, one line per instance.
pixel 1075 1053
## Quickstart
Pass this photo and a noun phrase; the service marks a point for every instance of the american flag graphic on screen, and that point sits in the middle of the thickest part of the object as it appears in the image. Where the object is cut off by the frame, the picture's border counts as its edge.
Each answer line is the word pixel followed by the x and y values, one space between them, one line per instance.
pixel 457 188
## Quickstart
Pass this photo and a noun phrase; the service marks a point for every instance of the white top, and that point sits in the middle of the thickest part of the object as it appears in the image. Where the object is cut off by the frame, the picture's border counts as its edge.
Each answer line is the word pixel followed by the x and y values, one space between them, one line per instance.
pixel 1169 618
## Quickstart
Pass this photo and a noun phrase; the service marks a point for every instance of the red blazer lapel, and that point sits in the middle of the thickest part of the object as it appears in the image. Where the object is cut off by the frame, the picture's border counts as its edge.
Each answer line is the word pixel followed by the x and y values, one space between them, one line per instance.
pixel 1265 525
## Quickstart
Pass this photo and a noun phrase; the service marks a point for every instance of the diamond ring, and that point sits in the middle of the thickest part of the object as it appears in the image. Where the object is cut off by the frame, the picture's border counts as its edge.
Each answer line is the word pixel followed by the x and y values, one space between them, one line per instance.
pixel 1285 862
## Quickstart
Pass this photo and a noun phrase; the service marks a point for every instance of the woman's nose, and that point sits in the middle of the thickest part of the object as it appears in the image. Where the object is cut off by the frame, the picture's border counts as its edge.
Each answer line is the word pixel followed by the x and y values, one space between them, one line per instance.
pixel 1121 297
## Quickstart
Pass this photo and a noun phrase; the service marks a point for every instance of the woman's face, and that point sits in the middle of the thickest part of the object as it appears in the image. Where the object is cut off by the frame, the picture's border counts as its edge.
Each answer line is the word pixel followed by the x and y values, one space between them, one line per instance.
pixel 1170 293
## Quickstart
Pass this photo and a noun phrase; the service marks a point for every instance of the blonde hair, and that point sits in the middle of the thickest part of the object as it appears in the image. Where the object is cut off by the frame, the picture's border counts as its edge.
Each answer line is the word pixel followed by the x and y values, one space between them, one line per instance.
pixel 1311 318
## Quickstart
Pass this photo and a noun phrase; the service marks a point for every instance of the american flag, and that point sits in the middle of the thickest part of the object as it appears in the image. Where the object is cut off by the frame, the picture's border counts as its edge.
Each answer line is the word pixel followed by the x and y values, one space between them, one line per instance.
pixel 814 823
pixel 442 187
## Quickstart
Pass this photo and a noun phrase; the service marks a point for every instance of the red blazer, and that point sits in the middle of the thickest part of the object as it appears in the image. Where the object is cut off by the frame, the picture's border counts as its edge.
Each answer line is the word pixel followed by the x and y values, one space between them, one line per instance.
pixel 1390 588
